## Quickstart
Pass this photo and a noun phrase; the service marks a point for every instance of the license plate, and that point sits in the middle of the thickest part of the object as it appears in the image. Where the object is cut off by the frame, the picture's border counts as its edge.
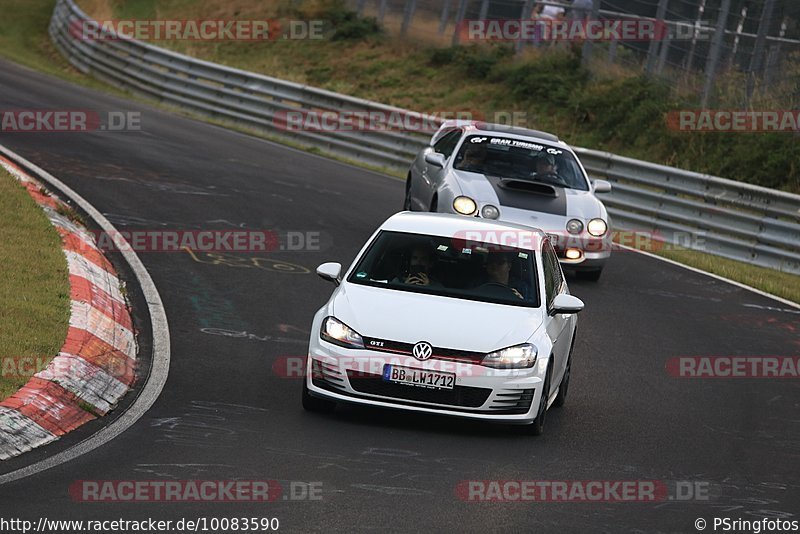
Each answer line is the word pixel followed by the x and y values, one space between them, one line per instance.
pixel 408 376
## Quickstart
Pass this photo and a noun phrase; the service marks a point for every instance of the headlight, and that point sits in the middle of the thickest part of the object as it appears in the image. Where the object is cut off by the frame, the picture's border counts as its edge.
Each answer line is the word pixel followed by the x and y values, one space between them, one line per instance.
pixel 490 212
pixel 597 227
pixel 464 205
pixel 574 226
pixel 338 333
pixel 517 357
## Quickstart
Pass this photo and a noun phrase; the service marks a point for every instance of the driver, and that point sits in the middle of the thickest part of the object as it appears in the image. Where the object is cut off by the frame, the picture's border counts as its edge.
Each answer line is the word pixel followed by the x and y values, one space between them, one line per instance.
pixel 545 164
pixel 498 269
pixel 420 265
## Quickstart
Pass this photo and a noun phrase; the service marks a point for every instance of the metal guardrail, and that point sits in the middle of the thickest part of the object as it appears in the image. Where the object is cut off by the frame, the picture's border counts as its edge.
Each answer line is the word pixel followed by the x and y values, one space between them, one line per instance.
pixel 722 217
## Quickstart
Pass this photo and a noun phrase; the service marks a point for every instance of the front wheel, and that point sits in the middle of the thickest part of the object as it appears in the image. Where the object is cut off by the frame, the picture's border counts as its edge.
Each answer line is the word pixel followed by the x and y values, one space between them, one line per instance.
pixel 537 428
pixel 561 398
pixel 315 404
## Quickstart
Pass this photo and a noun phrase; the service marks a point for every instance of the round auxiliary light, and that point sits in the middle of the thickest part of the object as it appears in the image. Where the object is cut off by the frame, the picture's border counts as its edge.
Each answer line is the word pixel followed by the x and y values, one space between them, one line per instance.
pixel 490 212
pixel 573 253
pixel 574 226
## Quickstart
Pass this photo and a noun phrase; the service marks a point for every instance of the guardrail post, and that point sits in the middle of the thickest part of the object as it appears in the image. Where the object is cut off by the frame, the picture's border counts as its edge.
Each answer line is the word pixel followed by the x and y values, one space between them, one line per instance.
pixel 408 16
pixel 586 53
pixel 739 29
pixel 612 51
pixel 445 16
pixel 462 10
pixel 758 49
pixel 716 46
pixel 484 12
pixel 700 10
pixel 652 50
pixel 526 14
pixel 382 10
pixel 662 57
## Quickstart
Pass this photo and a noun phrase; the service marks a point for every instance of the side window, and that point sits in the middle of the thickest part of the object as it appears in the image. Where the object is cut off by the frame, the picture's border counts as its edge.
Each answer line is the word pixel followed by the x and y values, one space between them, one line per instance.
pixel 549 277
pixel 558 275
pixel 553 277
pixel 448 143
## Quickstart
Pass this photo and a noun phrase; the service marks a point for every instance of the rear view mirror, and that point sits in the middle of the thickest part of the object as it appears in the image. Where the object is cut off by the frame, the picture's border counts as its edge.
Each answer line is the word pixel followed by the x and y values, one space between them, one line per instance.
pixel 564 303
pixel 601 186
pixel 330 271
pixel 435 159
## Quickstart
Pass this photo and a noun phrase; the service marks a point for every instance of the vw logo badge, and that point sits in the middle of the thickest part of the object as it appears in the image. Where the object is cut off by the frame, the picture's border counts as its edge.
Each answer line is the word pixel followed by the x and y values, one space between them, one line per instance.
pixel 422 350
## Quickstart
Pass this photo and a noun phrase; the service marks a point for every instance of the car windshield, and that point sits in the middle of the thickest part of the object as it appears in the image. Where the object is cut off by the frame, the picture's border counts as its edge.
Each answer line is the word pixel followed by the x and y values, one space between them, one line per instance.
pixel 450 267
pixel 522 160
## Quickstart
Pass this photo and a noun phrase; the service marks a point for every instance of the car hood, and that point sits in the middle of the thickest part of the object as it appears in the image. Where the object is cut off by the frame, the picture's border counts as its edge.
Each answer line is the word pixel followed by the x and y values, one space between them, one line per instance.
pixel 442 321
pixel 566 202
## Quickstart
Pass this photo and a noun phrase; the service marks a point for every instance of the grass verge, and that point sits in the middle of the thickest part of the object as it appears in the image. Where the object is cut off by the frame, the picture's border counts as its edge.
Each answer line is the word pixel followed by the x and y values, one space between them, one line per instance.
pixel 34 288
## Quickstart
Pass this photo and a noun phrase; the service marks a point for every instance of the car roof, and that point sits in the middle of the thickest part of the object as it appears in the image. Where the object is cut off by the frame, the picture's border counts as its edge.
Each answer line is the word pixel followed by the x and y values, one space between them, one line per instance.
pixel 451 225
pixel 488 127
pixel 514 130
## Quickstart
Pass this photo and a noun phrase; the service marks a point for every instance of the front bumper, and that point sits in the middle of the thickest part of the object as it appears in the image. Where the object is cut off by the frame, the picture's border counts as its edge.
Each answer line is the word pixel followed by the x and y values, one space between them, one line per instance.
pixel 594 250
pixel 479 393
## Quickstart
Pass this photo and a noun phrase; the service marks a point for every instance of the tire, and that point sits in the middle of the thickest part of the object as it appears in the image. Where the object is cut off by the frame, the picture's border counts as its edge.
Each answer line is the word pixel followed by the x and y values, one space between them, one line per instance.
pixel 561 397
pixel 314 404
pixel 592 276
pixel 407 203
pixel 537 427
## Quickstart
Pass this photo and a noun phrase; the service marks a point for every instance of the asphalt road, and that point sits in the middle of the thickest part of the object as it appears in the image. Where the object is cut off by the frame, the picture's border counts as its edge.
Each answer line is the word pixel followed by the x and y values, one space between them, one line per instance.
pixel 225 414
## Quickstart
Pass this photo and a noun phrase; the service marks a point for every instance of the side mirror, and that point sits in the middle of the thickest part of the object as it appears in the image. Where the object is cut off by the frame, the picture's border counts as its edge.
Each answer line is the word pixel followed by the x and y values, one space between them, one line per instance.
pixel 601 186
pixel 564 303
pixel 436 159
pixel 330 271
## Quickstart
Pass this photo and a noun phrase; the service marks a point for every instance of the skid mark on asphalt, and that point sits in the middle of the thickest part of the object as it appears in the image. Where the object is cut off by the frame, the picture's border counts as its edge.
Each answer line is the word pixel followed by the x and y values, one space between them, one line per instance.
pixel 254 262
pixel 169 187
pixel 207 424
pixel 251 337
pixel 182 471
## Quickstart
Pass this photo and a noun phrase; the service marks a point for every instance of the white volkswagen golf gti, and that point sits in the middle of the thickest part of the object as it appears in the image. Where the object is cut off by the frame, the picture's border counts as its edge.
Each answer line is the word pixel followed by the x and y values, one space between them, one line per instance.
pixel 444 314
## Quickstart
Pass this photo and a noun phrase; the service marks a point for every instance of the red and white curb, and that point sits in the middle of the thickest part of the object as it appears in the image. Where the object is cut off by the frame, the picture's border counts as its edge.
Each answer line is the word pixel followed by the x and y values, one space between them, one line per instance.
pixel 96 366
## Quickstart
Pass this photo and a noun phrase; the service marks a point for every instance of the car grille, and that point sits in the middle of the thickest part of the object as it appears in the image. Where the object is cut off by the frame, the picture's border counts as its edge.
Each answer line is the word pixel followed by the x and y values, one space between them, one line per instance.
pixel 463 396
pixel 512 401
pixel 439 353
